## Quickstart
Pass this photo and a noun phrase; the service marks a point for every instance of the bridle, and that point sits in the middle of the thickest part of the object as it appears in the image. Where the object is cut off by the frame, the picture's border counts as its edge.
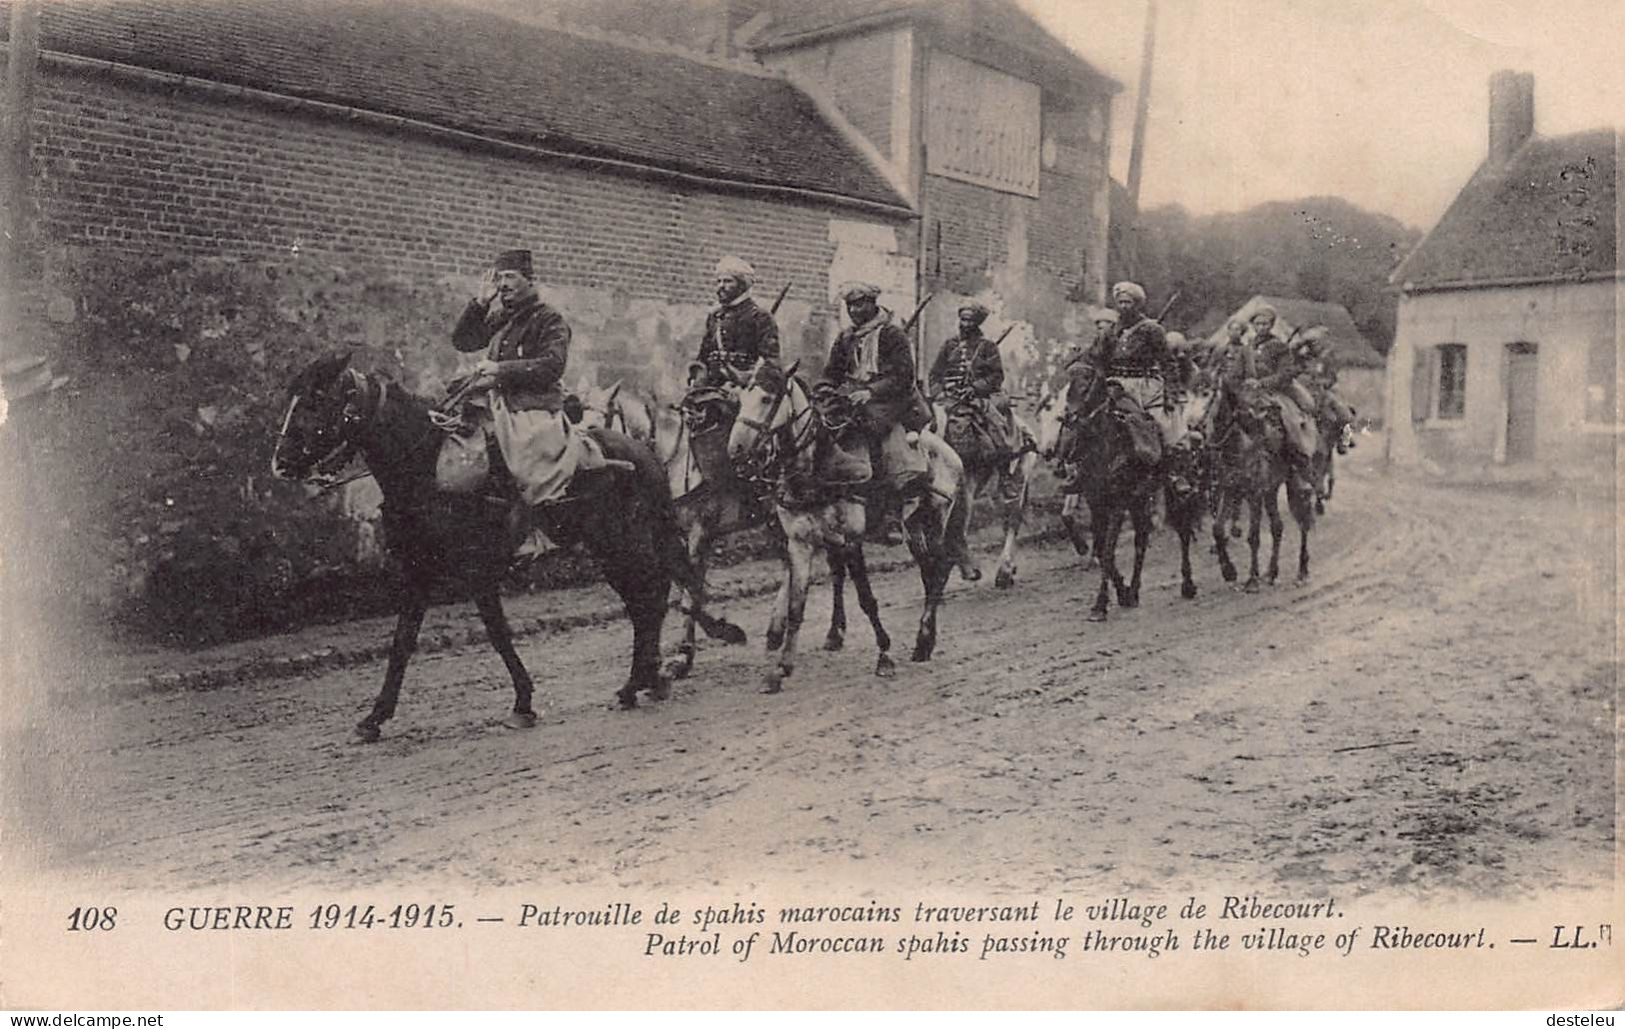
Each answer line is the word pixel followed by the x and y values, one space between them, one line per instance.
pixel 766 453
pixel 323 472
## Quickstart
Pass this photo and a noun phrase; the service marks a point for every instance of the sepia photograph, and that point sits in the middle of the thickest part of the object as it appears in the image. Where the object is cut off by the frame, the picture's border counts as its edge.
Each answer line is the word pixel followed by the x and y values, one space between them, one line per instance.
pixel 809 504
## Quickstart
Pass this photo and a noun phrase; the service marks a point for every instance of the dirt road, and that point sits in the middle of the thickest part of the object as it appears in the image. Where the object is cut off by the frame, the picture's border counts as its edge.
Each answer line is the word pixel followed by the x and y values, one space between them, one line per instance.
pixel 1434 713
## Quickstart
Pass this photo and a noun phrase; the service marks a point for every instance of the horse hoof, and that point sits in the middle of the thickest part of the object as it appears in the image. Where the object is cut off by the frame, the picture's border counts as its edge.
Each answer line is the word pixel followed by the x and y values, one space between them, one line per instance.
pixel 772 682
pixel 627 699
pixel 834 642
pixel 1235 532
pixel 885 668
pixel 970 573
pixel 1251 587
pixel 679 668
pixel 1097 614
pixel 367 732
pixel 1229 574
pixel 922 654
pixel 521 720
pixel 1188 590
pixel 1005 579
pixel 1303 580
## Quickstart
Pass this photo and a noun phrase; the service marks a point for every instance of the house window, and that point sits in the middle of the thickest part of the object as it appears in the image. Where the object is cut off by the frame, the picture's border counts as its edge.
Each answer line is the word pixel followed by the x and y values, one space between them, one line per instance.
pixel 1602 405
pixel 1452 379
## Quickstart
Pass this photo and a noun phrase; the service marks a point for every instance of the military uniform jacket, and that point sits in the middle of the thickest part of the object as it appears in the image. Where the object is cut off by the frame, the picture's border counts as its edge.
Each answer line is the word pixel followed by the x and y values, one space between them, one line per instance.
pixel 1141 348
pixel 740 334
pixel 892 383
pixel 532 346
pixel 968 362
pixel 1277 363
pixel 1233 364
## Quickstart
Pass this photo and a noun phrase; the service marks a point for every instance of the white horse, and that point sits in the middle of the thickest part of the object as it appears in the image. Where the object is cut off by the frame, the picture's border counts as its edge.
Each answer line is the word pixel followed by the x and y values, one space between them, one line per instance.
pixel 706 510
pixel 775 437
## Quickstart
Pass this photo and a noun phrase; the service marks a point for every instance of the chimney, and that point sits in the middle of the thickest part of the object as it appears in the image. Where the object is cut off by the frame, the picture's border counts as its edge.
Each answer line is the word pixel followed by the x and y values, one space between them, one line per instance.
pixel 1512 113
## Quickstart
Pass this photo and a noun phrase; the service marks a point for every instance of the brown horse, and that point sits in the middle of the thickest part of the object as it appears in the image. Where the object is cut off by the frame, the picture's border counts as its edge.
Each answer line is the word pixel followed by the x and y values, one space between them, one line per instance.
pixel 462 542
pixel 1113 479
pixel 1252 465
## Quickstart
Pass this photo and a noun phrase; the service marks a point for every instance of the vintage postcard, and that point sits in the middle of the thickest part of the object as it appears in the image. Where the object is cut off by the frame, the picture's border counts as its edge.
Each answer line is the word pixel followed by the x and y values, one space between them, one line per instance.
pixel 668 504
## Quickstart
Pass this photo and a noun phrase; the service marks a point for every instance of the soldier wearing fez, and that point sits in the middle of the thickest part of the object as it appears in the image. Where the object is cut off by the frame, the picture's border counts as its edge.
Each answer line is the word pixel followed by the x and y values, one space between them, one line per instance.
pixel 514 393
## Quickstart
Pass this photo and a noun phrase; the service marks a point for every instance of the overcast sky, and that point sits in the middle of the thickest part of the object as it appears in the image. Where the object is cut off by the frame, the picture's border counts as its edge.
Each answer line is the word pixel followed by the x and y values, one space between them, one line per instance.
pixel 1383 102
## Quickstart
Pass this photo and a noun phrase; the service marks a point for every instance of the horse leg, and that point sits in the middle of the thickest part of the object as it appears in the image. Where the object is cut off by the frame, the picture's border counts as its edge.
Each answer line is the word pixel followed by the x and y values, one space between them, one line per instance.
pixel 1073 524
pixel 1015 508
pixel 1277 530
pixel 854 560
pixel 699 552
pixel 798 552
pixel 497 630
pixel 1255 514
pixel 837 557
pixel 781 609
pixel 1185 525
pixel 1108 524
pixel 405 642
pixel 935 561
pixel 968 568
pixel 1141 515
pixel 1221 542
pixel 1302 514
pixel 647 611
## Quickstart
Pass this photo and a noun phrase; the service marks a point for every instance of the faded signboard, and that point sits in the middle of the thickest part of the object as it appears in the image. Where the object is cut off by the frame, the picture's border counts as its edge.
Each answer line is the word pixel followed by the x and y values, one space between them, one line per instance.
pixel 982 126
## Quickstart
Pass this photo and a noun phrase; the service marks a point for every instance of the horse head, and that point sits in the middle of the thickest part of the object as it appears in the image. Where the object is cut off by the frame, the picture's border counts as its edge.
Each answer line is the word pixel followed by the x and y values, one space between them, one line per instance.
pixel 767 404
pixel 1050 413
pixel 318 434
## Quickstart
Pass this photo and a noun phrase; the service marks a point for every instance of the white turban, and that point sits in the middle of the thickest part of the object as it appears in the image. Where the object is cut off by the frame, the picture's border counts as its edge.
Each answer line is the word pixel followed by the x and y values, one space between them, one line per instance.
pixel 737 268
pixel 1131 289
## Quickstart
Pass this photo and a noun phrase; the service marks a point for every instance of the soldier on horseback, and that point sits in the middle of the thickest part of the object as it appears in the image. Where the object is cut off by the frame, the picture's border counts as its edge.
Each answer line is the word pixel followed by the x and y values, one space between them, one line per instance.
pixel 1319 376
pixel 514 395
pixel 1278 365
pixel 871 368
pixel 1138 360
pixel 738 331
pixel 969 374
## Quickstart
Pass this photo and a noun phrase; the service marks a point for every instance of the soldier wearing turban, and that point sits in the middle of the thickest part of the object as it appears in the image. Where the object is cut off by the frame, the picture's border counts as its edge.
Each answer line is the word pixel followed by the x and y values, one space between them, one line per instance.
pixel 1137 357
pixel 738 332
pixel 969 370
pixel 1277 370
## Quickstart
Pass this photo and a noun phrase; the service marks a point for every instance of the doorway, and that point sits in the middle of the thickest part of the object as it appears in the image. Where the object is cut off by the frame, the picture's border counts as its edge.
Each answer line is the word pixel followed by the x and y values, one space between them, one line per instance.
pixel 1522 365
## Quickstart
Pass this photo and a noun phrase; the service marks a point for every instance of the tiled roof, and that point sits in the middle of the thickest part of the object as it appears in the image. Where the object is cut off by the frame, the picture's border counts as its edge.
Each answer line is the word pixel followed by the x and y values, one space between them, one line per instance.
pixel 470 70
pixel 1549 213
pixel 1349 348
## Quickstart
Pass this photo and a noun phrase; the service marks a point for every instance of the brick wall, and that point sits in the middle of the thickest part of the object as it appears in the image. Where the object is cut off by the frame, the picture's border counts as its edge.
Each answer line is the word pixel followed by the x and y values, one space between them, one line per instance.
pixel 629 260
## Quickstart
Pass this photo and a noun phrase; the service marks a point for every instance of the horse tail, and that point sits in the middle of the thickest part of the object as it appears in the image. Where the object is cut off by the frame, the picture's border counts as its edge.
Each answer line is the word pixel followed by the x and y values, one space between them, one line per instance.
pixel 672 547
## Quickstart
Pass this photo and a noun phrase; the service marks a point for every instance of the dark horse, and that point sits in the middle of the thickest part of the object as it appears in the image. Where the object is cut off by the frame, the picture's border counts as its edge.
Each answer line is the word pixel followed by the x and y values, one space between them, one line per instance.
pixel 463 542
pixel 1251 467
pixel 1117 482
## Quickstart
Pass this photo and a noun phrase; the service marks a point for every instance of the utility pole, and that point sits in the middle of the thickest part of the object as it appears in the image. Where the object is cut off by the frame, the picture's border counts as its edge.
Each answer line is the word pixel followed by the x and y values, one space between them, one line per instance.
pixel 1136 154
pixel 16 171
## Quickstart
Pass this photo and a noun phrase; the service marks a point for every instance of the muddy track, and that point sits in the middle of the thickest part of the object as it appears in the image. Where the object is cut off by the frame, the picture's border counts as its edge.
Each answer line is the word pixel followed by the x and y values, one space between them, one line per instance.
pixel 1433 712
